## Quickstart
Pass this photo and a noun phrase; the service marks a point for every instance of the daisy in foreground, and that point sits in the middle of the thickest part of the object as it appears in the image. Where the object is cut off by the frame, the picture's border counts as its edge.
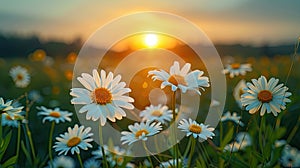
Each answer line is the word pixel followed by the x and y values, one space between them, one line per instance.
pixel 55 115
pixel 8 108
pixel 7 120
pixel 20 76
pixel 75 138
pixel 103 96
pixel 236 69
pixel 158 113
pixel 262 95
pixel 181 78
pixel 197 130
pixel 140 131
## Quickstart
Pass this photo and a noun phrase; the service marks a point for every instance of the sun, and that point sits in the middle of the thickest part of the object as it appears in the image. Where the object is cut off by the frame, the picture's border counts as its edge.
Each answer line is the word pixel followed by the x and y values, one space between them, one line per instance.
pixel 151 40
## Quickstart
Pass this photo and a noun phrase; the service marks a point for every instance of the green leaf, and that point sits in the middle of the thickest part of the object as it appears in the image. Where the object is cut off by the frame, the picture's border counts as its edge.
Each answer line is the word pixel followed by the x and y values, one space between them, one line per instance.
pixel 258 156
pixel 26 153
pixel 11 161
pixel 280 132
pixel 227 138
pixel 4 144
pixel 44 162
pixel 233 160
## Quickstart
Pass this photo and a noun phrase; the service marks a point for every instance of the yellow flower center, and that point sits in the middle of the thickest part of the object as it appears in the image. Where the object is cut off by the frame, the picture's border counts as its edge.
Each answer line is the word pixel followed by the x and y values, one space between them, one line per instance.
pixel 8 117
pixel 156 113
pixel 102 96
pixel 140 132
pixel 265 96
pixel 73 141
pixel 120 160
pixel 55 114
pixel 195 129
pixel 235 66
pixel 176 80
pixel 241 91
pixel 20 77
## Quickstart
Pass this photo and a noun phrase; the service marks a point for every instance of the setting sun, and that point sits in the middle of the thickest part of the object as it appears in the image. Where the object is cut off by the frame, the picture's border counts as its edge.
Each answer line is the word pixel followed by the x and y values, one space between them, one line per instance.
pixel 151 40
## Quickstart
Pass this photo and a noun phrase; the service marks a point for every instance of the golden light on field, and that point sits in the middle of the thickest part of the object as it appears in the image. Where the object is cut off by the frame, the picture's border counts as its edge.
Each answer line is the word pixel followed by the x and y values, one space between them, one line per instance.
pixel 151 40
pixel 146 40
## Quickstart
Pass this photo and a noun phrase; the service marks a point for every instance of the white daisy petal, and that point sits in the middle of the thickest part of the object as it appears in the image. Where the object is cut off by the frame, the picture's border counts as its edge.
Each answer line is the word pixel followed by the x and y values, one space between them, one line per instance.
pixel 191 127
pixel 73 140
pixel 265 96
pixel 102 96
pixel 140 131
pixel 181 79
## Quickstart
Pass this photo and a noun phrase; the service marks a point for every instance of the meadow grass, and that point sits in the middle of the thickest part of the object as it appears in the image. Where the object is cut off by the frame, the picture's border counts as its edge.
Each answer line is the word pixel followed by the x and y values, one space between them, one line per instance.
pixel 53 82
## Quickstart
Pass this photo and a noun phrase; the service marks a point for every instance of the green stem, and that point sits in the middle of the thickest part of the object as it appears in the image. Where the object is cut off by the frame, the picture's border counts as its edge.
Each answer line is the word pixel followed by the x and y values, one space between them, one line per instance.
pixel 261 136
pixel 102 144
pixel 175 148
pixel 30 141
pixel 148 153
pixel 156 146
pixel 50 142
pixel 79 159
pixel 293 132
pixel 187 149
pixel 1 126
pixel 221 161
pixel 18 140
pixel 193 143
pixel 206 153
pixel 28 133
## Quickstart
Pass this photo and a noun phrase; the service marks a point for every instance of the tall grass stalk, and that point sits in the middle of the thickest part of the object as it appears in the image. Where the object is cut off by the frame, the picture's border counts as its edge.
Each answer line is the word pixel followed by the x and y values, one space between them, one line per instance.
pixel 102 148
pixel 50 142
pixel 175 147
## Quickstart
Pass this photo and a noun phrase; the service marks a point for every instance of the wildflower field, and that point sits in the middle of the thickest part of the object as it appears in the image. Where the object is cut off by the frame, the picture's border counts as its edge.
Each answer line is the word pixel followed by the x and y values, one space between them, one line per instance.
pixel 259 126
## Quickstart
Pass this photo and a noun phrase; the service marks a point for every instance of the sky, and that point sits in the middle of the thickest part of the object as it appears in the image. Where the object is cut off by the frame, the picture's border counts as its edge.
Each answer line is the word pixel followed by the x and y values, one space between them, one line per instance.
pixel 231 21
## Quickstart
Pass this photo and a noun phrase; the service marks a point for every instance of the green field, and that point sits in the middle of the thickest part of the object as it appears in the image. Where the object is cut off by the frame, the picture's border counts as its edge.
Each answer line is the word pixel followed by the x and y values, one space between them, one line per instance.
pixel 52 82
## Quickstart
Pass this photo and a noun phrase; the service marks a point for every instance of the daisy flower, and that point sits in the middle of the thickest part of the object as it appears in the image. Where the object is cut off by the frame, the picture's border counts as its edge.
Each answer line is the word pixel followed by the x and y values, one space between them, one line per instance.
pixel 181 78
pixel 103 96
pixel 7 120
pixel 56 115
pixel 234 118
pixel 62 162
pixel 290 157
pixel 75 138
pixel 236 69
pixel 140 131
pixel 158 113
pixel 9 108
pixel 20 76
pixel 91 163
pixel 265 95
pixel 238 91
pixel 197 130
